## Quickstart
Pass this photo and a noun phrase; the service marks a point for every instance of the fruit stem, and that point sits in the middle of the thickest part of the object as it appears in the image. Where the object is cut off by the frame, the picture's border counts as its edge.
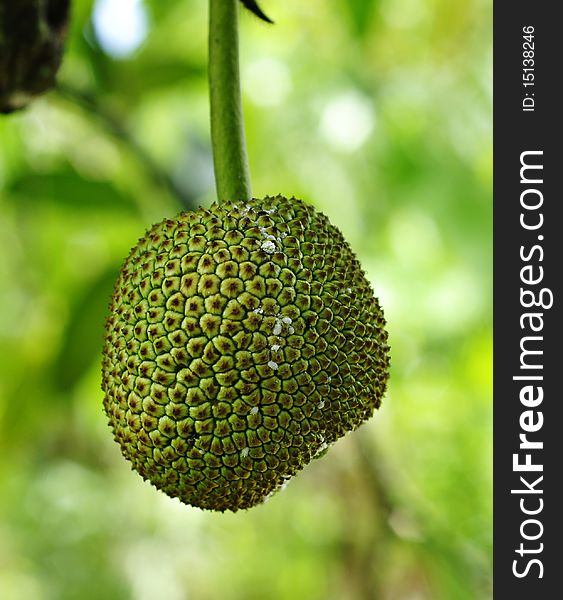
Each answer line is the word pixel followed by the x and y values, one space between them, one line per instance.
pixel 232 176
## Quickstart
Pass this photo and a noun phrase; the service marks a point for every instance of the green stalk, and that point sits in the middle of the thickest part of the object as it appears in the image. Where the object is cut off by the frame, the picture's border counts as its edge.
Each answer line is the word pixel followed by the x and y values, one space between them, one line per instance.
pixel 230 160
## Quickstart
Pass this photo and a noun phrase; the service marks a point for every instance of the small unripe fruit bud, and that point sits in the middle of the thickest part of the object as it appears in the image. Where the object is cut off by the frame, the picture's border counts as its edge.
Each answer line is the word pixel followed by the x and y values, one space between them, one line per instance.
pixel 32 36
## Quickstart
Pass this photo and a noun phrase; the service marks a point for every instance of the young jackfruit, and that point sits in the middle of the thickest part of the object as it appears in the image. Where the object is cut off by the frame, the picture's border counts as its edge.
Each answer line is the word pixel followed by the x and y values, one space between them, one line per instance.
pixel 243 340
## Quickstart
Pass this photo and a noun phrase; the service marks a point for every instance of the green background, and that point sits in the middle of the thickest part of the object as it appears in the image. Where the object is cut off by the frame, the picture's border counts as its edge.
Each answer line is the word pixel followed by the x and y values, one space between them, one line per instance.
pixel 379 113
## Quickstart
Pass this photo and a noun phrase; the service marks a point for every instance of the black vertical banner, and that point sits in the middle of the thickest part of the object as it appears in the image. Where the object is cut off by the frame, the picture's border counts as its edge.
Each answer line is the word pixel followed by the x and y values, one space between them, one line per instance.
pixel 528 298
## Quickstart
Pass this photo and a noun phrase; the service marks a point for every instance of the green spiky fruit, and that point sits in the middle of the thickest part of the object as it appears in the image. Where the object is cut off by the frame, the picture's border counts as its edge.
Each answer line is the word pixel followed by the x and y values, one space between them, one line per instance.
pixel 242 341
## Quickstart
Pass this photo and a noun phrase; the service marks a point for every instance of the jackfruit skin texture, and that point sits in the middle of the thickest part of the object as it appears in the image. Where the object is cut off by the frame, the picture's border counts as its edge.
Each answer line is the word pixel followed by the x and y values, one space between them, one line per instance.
pixel 242 341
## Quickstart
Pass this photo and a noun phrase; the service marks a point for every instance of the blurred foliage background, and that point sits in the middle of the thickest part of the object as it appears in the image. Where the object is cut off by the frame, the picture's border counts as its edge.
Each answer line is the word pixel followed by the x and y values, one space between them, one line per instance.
pixel 379 113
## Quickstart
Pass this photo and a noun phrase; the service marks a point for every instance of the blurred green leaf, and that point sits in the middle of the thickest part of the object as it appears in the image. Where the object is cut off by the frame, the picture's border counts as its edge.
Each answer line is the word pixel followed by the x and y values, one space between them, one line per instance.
pixel 84 333
pixel 360 14
pixel 68 188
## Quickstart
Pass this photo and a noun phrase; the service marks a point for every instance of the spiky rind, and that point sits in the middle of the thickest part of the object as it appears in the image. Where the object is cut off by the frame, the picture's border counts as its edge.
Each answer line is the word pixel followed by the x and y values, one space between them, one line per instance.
pixel 242 340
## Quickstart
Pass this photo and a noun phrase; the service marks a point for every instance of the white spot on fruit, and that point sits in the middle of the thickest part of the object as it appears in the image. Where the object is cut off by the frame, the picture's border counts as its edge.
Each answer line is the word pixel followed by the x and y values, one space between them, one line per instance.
pixel 277 489
pixel 244 452
pixel 269 247
pixel 247 208
pixel 322 447
pixel 273 365
pixel 254 410
pixel 266 235
pixel 275 347
pixel 280 323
